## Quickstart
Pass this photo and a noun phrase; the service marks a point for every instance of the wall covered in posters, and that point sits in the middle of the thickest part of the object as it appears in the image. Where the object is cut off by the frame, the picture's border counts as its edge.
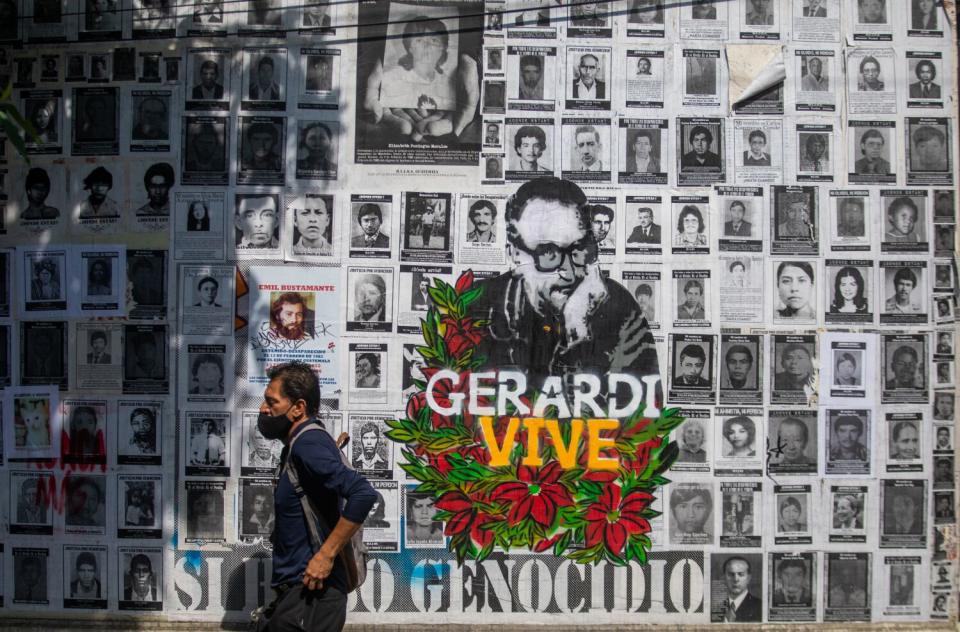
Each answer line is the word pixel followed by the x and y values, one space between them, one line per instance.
pixel 608 338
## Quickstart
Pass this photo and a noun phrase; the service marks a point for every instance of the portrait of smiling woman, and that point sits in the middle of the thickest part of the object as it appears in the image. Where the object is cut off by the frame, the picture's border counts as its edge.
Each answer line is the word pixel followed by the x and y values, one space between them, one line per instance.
pixel 848 292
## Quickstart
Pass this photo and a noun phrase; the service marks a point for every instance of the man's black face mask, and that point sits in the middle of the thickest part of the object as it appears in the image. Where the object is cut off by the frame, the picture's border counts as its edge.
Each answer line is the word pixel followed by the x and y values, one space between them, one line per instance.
pixel 274 427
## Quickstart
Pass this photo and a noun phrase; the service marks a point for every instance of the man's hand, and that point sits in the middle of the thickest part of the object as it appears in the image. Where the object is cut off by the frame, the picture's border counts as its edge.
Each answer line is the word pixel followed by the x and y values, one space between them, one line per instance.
pixel 318 569
pixel 581 305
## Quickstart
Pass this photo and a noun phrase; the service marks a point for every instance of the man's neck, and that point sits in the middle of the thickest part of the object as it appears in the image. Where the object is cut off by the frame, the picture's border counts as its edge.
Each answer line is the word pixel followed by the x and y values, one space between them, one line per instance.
pixel 293 428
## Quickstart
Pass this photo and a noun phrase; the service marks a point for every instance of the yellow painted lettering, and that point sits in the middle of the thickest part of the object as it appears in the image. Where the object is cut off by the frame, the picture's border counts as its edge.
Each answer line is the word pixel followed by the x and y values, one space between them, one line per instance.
pixel 596 443
pixel 566 452
pixel 533 425
pixel 499 452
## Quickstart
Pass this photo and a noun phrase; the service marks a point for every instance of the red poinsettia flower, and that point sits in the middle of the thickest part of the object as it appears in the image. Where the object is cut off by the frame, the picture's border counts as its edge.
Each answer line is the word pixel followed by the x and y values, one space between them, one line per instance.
pixel 537 494
pixel 441 462
pixel 465 516
pixel 613 520
pixel 464 282
pixel 638 461
pixel 461 334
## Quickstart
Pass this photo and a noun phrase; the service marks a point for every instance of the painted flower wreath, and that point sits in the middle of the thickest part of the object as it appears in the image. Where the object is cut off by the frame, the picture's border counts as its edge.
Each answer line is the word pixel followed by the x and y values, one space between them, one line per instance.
pixel 586 515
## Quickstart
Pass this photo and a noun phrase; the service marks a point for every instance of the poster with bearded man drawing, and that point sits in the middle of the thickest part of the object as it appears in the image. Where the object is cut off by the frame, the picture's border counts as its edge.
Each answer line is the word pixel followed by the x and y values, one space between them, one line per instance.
pixel 292 312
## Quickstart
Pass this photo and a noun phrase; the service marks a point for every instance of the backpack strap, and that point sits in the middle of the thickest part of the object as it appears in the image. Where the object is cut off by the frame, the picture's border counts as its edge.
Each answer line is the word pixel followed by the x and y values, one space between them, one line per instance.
pixel 306 502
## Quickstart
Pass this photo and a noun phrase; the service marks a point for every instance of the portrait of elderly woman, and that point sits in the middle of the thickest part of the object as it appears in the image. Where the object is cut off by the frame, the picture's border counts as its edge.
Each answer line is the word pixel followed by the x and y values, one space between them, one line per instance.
pixel 690 228
pixel 418 76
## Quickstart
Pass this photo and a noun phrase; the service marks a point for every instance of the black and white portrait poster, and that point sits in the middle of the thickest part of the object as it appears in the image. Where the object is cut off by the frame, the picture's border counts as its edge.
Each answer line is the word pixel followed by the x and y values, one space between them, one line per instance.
pixel 643 151
pixel 903 439
pixel 413 294
pixel 145 367
pixel 741 514
pixel 209 74
pixel 96 121
pixel 531 77
pixel 370 299
pixel 872 155
pixel 318 149
pixel 198 225
pixel 85 581
pixel 44 110
pixel 643 224
pixel 736 587
pixel 31 576
pixel 646 73
pixel 929 156
pixel 256 509
pixel 739 436
pixel 98 355
pixel 850 438
pixel 32 495
pixel 904 370
pixel 98 197
pixel 102 283
pixel 261 150
pixel 369 378
pixel 418 83
pixel 263 79
pixel 204 362
pixel 139 432
pixel 319 80
pixel 702 71
pixel 139 502
pixel 141 572
pixel 848 507
pixel 262 18
pixel 533 153
pixel 44 357
pixel 85 504
pixel 371 226
pixel 900 581
pixel 703 19
pixel 588 80
pixel 741 369
pixel 421 529
pixel 848 589
pixel 311 231
pixel 741 288
pixel 795 508
pixel 695 441
pixel 816 82
pixel 204 146
pixel 848 370
pixel 758 149
pixel 204 518
pixel 38 205
pixel 692 369
pixel 371 453
pixel 482 229
pixel 207 443
pixel 428 223
pixel 256 225
pixel 693 295
pixel 851 220
pixel 206 300
pixel 700 151
pixel 814 150
pixel 85 431
pixel 905 217
pixel 792 445
pixel 258 456
pixel 903 518
pixel 381 529
pixel 691 514
pixel 43 281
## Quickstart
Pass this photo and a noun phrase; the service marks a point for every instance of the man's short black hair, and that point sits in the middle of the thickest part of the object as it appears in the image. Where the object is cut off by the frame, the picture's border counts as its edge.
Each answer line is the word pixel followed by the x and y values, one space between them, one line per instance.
pixel 370 427
pixel 98 335
pixel 208 279
pixel 791 562
pixel 737 558
pixel 369 209
pixel 693 351
pixel 36 176
pixel 298 381
pixel 758 134
pixel 700 129
pixel 531 60
pixel 98 176
pixel 206 358
pixel 738 349
pixel 600 209
pixel 530 131
pixel 163 169
pixel 849 420
pixel 926 63
pixel 905 274
pixel 266 60
pixel 263 128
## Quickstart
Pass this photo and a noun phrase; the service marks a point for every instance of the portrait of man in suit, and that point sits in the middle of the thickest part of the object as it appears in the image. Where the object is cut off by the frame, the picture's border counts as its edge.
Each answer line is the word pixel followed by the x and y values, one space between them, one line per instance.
pixel 588 86
pixel 370 218
pixel 263 87
pixel 692 306
pixel 209 88
pixel 644 157
pixel 740 604
pixel 737 226
pixel 98 348
pixel 925 88
pixel 871 146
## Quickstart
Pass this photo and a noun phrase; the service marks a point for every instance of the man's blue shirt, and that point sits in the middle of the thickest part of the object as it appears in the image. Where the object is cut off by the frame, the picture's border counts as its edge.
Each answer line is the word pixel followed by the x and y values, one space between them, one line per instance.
pixel 327 481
